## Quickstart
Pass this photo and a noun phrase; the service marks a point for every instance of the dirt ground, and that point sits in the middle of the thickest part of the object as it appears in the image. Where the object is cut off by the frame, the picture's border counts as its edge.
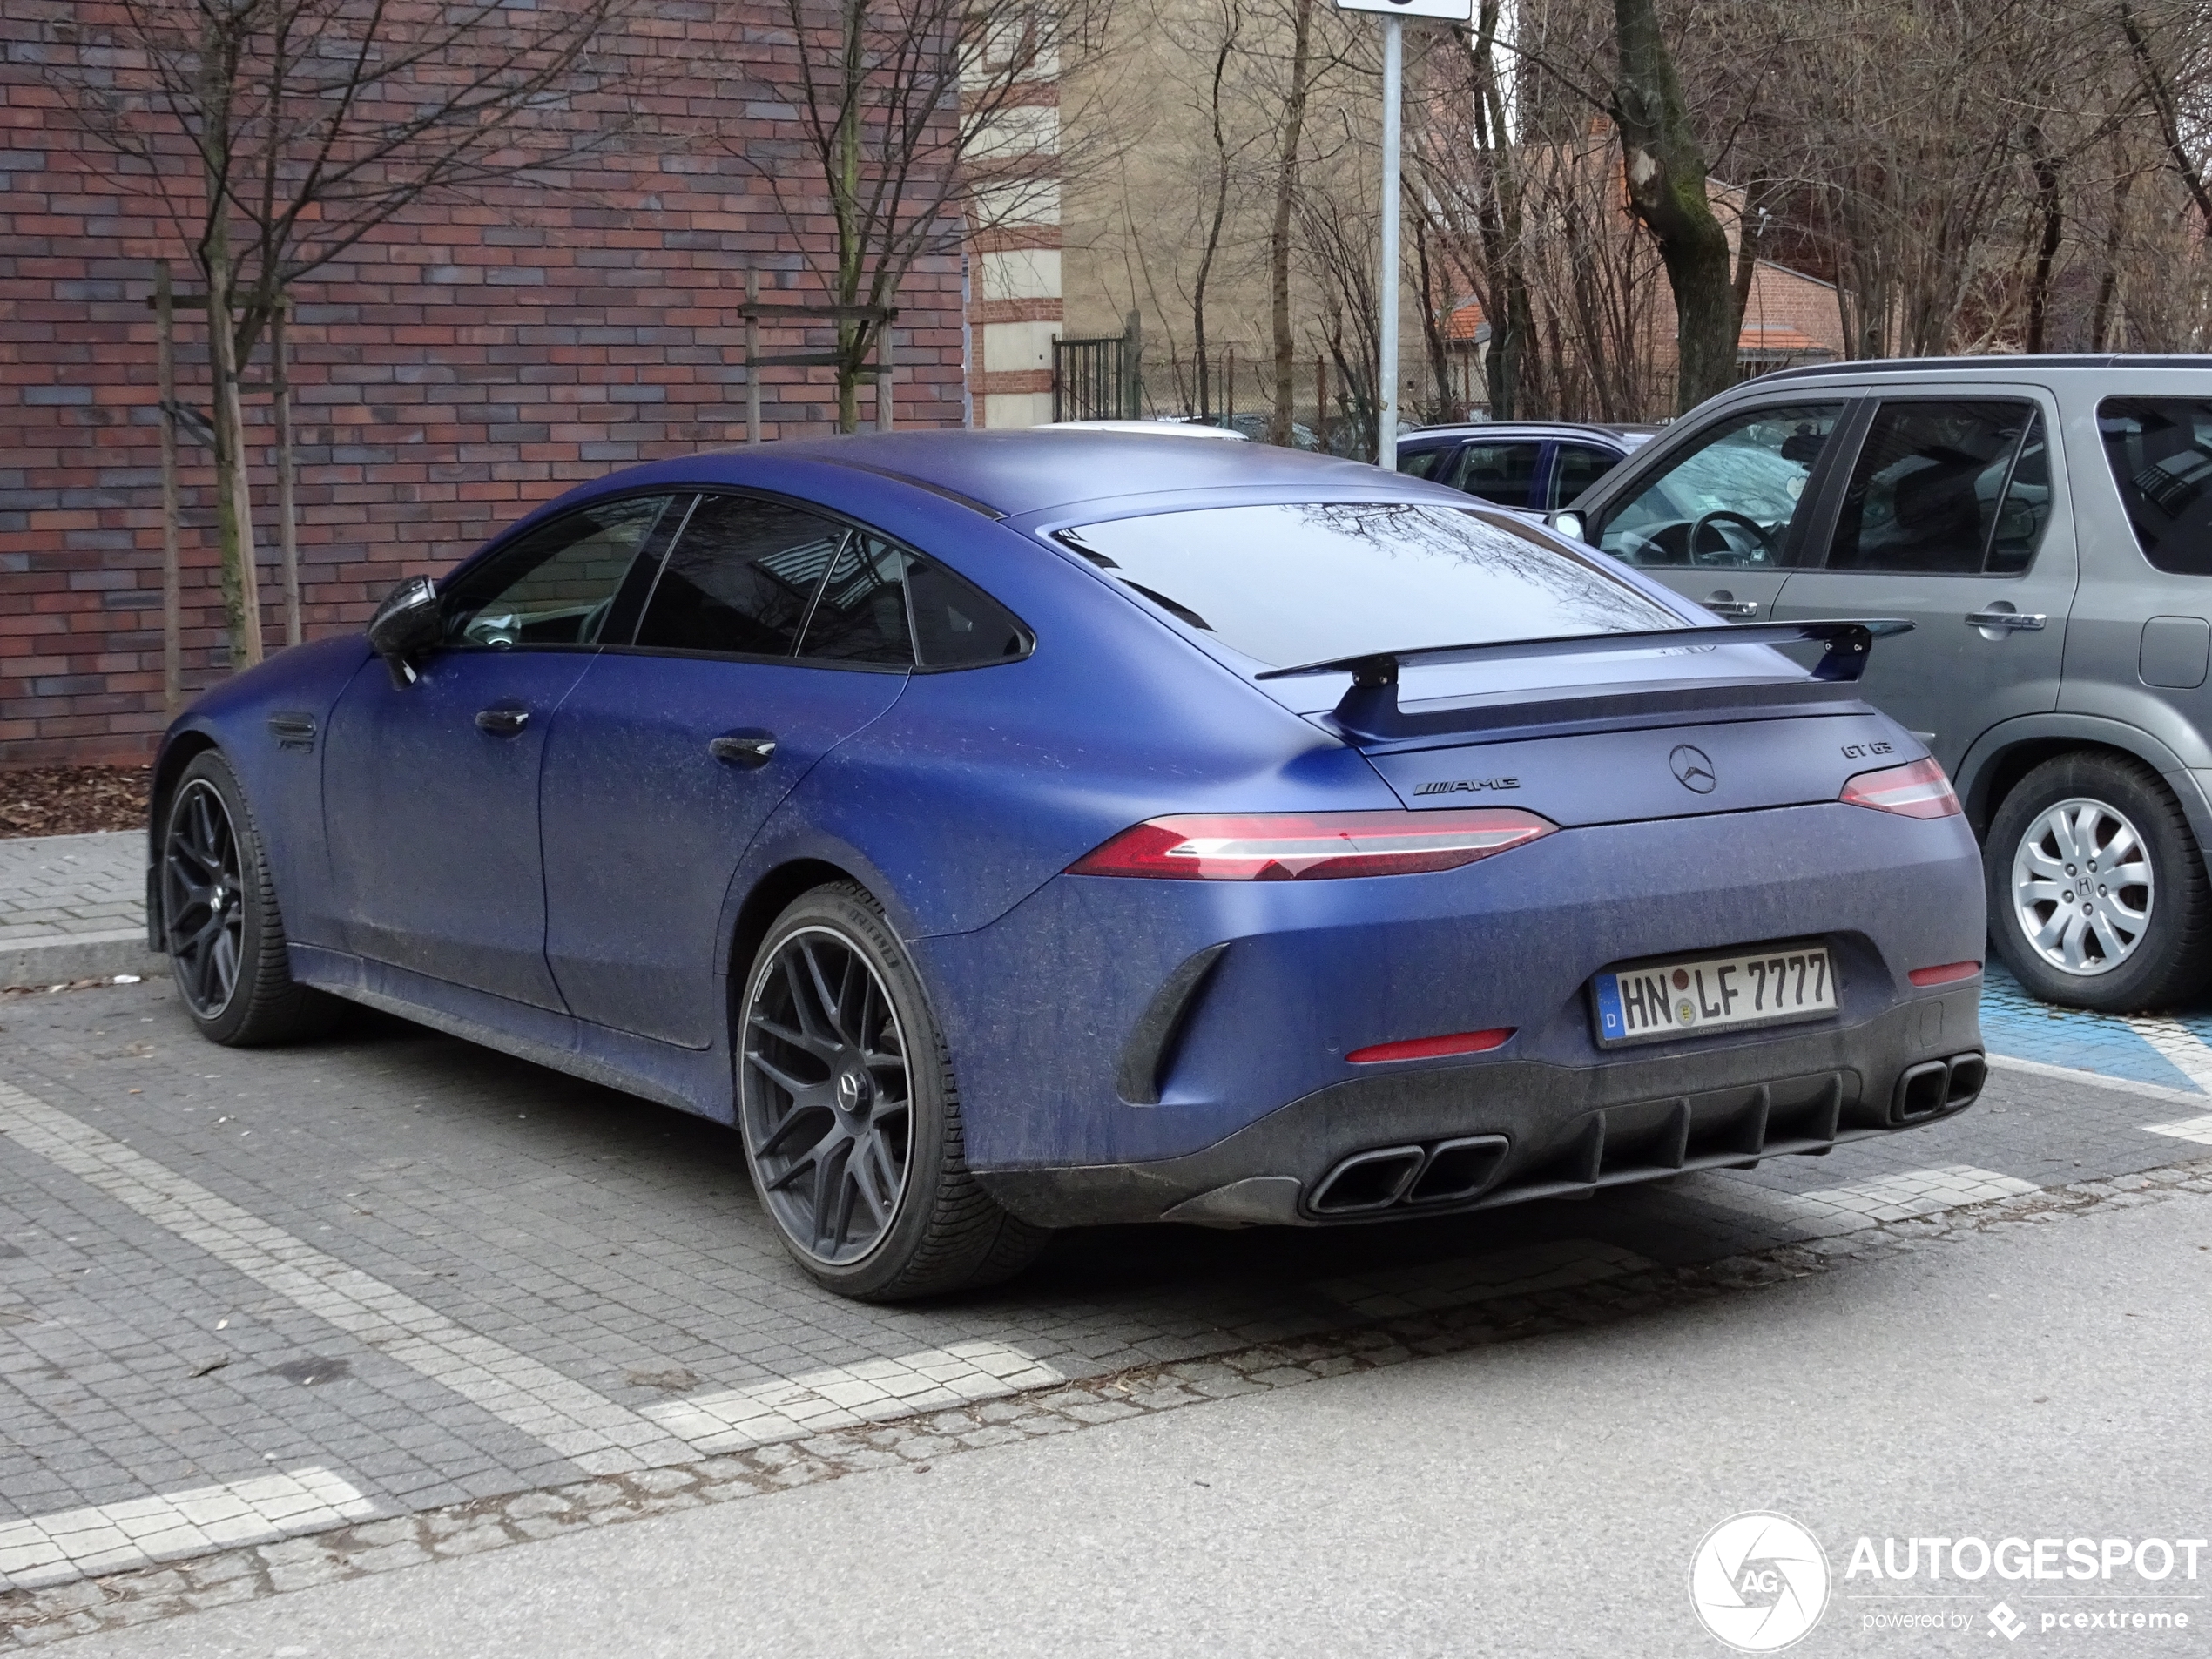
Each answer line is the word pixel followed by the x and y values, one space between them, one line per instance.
pixel 72 800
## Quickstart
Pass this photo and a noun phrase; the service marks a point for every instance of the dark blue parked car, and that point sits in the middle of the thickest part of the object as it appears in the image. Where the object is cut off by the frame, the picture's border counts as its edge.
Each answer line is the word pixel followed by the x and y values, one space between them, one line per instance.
pixel 1016 831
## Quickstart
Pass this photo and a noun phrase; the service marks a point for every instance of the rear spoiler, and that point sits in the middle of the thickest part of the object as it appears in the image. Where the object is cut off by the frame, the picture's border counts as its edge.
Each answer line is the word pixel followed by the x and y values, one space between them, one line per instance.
pixel 1370 707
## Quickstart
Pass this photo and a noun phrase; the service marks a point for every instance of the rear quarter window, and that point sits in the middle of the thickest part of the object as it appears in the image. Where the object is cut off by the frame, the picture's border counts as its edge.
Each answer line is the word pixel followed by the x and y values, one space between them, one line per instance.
pixel 2159 450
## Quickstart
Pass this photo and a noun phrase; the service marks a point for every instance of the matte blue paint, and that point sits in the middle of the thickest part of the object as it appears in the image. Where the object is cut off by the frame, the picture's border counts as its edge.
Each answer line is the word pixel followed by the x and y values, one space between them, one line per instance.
pixel 573 892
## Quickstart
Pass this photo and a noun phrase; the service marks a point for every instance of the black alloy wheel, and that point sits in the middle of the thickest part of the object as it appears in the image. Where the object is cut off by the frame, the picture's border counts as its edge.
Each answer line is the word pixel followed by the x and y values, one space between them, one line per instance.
pixel 203 899
pixel 850 1115
pixel 220 920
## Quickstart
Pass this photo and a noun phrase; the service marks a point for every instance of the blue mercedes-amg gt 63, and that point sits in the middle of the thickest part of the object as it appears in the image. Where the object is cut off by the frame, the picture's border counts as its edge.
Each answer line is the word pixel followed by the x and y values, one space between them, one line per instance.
pixel 1015 831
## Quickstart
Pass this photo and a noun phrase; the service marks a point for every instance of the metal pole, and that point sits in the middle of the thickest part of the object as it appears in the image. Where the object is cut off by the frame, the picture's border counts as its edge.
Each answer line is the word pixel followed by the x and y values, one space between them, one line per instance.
pixel 172 654
pixel 883 375
pixel 751 355
pixel 1387 369
pixel 287 513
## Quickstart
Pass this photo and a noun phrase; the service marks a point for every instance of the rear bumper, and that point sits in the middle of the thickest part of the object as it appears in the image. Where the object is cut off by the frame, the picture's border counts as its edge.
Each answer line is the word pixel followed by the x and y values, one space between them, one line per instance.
pixel 1477 1138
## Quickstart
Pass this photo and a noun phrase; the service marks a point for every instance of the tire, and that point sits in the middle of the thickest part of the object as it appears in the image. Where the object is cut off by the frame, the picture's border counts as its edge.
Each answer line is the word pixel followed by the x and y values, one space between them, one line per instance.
pixel 221 924
pixel 850 1117
pixel 2142 942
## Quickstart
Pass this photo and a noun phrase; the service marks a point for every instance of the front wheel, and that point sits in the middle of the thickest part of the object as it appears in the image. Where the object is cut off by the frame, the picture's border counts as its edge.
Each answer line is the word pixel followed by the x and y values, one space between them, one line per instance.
pixel 2098 897
pixel 221 925
pixel 850 1115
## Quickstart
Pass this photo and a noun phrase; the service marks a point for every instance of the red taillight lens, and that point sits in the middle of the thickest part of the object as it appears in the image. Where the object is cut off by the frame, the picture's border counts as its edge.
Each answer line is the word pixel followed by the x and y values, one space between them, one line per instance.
pixel 1309 847
pixel 1949 973
pixel 1917 789
pixel 1432 1048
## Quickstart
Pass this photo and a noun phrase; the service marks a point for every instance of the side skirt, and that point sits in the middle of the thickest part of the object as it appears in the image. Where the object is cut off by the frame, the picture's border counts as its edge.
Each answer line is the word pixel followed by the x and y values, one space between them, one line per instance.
pixel 690 1080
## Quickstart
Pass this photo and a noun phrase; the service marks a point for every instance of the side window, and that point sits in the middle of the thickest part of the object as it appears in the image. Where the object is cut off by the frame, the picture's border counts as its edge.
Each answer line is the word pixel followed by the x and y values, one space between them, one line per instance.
pixel 861 616
pixel 1925 493
pixel 1503 474
pixel 1731 501
pixel 1575 467
pixel 740 579
pixel 1419 464
pixel 556 586
pixel 2026 508
pixel 2159 450
pixel 957 626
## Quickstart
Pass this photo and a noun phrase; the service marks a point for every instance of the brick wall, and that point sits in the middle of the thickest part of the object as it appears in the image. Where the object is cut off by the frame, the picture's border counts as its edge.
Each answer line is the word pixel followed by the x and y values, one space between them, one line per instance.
pixel 457 368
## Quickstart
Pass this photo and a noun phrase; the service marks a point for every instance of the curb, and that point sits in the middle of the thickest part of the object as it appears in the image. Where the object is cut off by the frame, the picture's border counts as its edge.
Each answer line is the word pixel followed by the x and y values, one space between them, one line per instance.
pixel 64 957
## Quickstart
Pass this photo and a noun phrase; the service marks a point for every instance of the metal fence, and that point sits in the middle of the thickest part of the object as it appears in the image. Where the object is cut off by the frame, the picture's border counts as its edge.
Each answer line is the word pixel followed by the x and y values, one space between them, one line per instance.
pixel 1096 379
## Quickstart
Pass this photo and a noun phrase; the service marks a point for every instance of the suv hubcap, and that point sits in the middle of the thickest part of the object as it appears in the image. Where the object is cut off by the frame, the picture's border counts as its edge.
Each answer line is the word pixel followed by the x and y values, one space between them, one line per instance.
pixel 2082 888
pixel 826 1096
pixel 202 909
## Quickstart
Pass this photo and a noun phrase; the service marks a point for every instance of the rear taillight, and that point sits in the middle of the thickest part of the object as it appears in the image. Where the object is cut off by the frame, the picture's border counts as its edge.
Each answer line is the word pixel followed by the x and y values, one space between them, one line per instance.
pixel 1917 789
pixel 1309 847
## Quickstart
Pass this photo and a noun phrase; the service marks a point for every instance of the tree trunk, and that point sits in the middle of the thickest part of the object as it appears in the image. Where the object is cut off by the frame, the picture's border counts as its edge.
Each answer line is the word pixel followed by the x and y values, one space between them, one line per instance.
pixel 233 498
pixel 1497 222
pixel 845 204
pixel 1666 179
pixel 2108 283
pixel 2046 168
pixel 1278 236
pixel 1213 229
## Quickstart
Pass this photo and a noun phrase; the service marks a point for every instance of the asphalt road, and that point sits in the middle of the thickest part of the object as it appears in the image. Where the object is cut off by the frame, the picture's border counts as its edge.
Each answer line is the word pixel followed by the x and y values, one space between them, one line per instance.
pixel 1538 1497
pixel 352 1312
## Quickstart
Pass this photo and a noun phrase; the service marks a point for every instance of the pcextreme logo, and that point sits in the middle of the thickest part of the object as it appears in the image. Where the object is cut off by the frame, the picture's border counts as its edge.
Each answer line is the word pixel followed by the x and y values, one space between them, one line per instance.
pixel 1758 1581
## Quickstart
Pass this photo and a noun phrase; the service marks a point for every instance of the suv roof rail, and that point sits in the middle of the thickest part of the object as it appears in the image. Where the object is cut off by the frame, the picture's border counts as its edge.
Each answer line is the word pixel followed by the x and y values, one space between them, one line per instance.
pixel 2047 360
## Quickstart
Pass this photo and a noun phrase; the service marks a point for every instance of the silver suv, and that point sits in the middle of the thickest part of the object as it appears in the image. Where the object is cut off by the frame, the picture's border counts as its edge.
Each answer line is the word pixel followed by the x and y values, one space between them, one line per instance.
pixel 2046 523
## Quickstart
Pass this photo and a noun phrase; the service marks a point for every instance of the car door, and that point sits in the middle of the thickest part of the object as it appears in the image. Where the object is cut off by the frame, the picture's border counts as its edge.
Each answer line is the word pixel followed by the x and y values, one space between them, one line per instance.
pixel 1721 517
pixel 1945 518
pixel 773 633
pixel 430 803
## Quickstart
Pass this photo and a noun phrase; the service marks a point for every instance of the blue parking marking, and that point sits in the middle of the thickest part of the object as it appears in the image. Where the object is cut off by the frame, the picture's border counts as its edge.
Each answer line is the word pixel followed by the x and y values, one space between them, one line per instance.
pixel 2014 1023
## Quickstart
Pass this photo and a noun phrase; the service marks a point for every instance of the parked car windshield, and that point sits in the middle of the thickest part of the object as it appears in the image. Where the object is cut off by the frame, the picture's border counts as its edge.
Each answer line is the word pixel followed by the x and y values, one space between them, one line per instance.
pixel 1305 582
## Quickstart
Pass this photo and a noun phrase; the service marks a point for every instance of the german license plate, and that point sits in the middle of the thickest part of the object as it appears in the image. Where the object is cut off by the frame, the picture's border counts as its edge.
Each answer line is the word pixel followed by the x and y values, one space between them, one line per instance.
pixel 1697 994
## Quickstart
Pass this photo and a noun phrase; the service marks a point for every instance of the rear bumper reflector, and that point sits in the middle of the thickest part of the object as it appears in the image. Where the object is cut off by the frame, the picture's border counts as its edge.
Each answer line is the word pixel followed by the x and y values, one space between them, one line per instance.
pixel 1432 1048
pixel 1944 974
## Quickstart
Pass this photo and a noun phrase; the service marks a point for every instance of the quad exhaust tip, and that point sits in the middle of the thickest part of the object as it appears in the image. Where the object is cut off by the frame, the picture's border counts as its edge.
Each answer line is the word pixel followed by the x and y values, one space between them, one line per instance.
pixel 1447 1172
pixel 1937 1086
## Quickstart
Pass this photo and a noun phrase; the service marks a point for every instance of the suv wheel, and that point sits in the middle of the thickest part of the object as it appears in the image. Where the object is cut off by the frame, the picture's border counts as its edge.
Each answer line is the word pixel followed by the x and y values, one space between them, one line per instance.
pixel 2098 897
pixel 851 1119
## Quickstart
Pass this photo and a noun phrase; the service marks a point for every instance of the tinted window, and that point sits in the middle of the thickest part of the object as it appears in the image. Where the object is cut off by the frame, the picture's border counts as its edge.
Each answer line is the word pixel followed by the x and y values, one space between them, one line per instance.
pixel 1304 583
pixel 557 585
pixel 1925 492
pixel 861 616
pixel 1575 467
pixel 955 626
pixel 1734 496
pixel 1503 472
pixel 739 578
pixel 2161 451
pixel 1419 464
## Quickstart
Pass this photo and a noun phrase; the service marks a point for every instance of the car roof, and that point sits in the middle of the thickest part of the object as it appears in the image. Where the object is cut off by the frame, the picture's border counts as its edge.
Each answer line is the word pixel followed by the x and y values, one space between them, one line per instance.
pixel 1456 430
pixel 1014 473
pixel 2011 362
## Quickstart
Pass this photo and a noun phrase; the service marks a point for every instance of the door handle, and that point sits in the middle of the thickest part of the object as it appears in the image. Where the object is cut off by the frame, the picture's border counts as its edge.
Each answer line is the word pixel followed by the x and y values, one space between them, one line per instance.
pixel 1721 602
pixel 745 748
pixel 2011 621
pixel 503 723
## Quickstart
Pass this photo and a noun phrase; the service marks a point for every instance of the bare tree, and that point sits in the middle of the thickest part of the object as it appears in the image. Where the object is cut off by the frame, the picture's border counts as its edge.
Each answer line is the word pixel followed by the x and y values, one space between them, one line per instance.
pixel 923 121
pixel 275 135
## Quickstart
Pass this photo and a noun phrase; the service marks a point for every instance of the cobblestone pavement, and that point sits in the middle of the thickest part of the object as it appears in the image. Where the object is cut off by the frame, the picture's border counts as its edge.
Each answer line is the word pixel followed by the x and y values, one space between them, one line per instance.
pixel 72 904
pixel 249 1296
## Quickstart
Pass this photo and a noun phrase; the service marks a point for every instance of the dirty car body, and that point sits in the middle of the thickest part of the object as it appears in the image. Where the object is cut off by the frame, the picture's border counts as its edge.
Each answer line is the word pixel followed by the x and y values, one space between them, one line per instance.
pixel 1239 894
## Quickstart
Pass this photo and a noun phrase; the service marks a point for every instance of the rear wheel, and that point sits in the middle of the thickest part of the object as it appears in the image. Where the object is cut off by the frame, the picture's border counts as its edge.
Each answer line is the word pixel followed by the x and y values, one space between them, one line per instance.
pixel 850 1117
pixel 2098 897
pixel 221 924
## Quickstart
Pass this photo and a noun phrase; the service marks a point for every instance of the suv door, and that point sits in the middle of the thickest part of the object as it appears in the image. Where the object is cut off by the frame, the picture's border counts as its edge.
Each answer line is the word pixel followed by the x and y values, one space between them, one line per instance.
pixel 1945 518
pixel 1720 517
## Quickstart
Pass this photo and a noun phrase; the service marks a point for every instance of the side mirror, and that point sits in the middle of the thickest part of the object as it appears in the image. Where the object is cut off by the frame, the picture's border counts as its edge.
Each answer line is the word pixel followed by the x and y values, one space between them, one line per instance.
pixel 1568 524
pixel 409 623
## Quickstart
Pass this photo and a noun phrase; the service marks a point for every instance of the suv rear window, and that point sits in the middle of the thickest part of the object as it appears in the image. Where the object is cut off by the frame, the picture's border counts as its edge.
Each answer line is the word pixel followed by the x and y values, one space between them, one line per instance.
pixel 2161 451
pixel 1309 582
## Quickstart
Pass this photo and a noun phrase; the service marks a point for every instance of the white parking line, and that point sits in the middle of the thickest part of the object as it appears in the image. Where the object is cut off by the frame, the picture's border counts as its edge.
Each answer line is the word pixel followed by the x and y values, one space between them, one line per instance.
pixel 2190 1054
pixel 1481 1279
pixel 873 1391
pixel 2097 1079
pixel 115 1537
pixel 2190 1129
pixel 577 1422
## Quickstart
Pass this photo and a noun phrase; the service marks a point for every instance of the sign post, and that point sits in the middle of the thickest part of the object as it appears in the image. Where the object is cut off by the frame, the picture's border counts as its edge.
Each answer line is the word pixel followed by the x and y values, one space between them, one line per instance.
pixel 1393 14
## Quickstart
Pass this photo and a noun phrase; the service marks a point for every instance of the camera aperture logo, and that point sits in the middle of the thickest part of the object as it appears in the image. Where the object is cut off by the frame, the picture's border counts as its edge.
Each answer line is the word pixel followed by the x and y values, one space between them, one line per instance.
pixel 1759 1582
